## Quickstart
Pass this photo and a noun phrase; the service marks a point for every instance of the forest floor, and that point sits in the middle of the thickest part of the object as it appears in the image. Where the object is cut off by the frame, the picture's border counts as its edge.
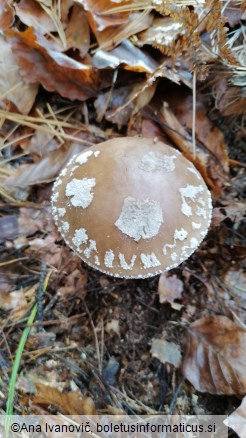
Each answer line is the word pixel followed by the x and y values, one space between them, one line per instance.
pixel 97 344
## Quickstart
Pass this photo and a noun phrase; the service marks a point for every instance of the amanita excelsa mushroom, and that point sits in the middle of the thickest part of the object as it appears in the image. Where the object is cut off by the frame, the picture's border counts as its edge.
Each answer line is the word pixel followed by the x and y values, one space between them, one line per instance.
pixel 131 207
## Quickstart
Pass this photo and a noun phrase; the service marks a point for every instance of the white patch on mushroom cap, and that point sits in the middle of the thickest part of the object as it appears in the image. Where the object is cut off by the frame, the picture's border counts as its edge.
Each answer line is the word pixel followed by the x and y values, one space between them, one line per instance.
pixel 65 227
pixel 63 172
pixel 201 212
pixel 180 234
pixel 149 260
pixel 73 170
pixel 196 225
pixel 92 247
pixel 80 236
pixel 189 192
pixel 61 212
pixel 80 191
pixel 140 219
pixel 174 256
pixel 57 183
pixel 96 153
pixel 54 197
pixel 193 242
pixel 109 258
pixel 83 158
pixel 153 161
pixel 97 261
pixel 123 262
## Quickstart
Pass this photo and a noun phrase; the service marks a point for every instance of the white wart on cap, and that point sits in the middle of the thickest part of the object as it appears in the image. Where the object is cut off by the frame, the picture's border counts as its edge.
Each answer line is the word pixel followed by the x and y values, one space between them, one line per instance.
pixel 131 207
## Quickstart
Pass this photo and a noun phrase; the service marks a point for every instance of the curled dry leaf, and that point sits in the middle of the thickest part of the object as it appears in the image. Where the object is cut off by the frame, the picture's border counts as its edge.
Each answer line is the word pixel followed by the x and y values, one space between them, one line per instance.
pixel 166 352
pixel 125 54
pixel 215 357
pixel 12 86
pixel 56 71
pixel 68 403
pixel 170 288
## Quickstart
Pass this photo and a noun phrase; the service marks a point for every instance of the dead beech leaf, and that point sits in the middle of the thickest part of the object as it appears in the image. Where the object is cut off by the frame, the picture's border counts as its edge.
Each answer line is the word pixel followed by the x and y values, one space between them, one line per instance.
pixel 32 14
pixel 6 15
pixel 68 403
pixel 12 86
pixel 113 28
pixel 215 357
pixel 77 31
pixel 100 22
pixel 43 170
pixel 176 131
pixel 56 71
pixel 166 352
pixel 210 136
pixel 169 288
pixel 237 420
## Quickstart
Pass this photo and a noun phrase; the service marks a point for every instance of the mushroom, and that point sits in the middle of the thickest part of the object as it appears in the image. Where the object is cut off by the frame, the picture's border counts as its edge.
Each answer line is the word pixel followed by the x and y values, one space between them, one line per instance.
pixel 131 207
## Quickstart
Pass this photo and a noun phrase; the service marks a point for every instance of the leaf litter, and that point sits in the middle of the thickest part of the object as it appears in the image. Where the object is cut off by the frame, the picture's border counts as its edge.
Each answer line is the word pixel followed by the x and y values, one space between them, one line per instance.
pixel 128 70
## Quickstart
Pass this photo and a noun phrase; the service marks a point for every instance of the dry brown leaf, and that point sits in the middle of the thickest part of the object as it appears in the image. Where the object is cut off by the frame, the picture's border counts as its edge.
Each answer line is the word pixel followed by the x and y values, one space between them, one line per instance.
pixel 110 37
pixel 6 15
pixel 166 352
pixel 68 403
pixel 163 31
pixel 210 136
pixel 126 54
pixel 233 210
pixel 47 250
pixel 56 71
pixel 215 358
pixel 43 170
pixel 114 28
pixel 123 102
pixel 175 130
pixel 31 220
pixel 41 143
pixel 8 227
pixel 230 100
pixel 169 288
pixel 150 129
pixel 12 86
pixel 237 420
pixel 77 31
pixel 100 22
pixel 12 300
pixel 32 14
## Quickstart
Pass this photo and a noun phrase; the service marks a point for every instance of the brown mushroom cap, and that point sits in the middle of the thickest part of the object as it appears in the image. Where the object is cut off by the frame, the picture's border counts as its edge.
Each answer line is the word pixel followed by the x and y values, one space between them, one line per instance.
pixel 131 207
